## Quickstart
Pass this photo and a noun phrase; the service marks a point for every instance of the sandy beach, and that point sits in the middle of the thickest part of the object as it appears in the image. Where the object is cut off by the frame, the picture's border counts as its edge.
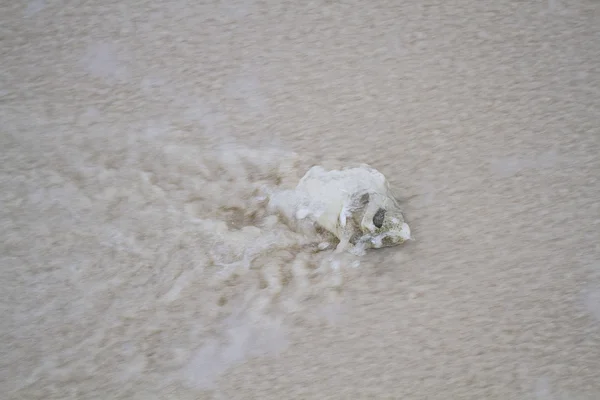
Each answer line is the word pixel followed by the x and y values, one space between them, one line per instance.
pixel 138 259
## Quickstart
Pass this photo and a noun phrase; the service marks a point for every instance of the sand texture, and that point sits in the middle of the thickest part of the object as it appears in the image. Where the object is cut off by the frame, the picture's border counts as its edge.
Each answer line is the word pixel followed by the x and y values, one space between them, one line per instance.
pixel 139 138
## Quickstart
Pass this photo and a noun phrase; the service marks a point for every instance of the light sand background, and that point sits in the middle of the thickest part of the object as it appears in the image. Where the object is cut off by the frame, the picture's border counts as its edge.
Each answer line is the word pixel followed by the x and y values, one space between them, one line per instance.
pixel 136 136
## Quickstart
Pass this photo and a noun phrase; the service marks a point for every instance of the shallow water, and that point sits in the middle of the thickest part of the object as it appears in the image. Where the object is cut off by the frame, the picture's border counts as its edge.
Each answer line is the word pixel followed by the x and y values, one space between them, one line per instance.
pixel 137 255
pixel 167 251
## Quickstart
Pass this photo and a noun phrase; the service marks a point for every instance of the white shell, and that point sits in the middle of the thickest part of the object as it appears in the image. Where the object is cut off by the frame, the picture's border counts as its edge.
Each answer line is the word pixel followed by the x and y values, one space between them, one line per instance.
pixel 331 199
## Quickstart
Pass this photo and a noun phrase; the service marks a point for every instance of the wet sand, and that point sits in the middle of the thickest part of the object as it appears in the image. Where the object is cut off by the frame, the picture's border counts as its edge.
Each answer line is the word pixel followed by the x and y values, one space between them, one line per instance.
pixel 137 262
